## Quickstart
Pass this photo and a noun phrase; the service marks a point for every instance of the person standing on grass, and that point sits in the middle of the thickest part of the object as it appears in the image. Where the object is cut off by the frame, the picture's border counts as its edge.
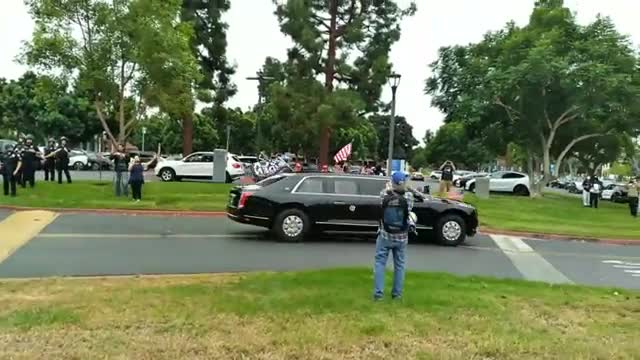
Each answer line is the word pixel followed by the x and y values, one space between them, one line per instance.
pixel 49 162
pixel 121 162
pixel 594 192
pixel 393 234
pixel 586 188
pixel 62 160
pixel 10 165
pixel 136 176
pixel 446 178
pixel 633 189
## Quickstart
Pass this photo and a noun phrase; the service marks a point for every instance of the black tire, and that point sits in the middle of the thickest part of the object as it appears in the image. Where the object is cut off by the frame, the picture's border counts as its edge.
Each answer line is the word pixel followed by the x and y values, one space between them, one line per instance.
pixel 472 187
pixel 291 225
pixel 95 166
pixel 167 175
pixel 78 166
pixel 521 190
pixel 451 230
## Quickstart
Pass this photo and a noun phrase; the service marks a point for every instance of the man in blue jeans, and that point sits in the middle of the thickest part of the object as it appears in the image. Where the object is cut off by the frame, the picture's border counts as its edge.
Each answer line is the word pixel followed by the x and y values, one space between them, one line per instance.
pixel 393 234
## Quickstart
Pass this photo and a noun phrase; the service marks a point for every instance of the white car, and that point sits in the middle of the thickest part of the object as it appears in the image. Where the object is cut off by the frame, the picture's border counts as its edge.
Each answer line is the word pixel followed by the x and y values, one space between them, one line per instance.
pixel 504 181
pixel 436 175
pixel 198 165
pixel 78 160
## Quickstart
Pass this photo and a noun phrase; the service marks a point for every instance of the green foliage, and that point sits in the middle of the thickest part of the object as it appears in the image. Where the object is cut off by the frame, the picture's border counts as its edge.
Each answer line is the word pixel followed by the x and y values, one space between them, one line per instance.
pixel 126 55
pixel 452 142
pixel 403 139
pixel 620 169
pixel 209 45
pixel 42 106
pixel 546 86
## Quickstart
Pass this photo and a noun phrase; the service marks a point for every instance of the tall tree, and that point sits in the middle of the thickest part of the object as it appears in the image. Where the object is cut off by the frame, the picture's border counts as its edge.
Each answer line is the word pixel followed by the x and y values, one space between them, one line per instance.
pixel 546 86
pixel 209 46
pixel 128 55
pixel 326 31
pixel 403 140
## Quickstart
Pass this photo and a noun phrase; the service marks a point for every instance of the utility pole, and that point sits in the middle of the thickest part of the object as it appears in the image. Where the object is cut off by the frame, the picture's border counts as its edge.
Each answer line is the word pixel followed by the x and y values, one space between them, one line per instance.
pixel 394 79
pixel 261 79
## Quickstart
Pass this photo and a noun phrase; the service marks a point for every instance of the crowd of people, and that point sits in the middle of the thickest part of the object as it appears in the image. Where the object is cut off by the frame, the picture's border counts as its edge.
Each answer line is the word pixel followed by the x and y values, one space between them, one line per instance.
pixel 18 163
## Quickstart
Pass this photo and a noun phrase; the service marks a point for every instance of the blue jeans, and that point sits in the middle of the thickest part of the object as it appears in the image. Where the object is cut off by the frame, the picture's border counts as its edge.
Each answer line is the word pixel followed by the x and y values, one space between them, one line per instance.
pixel 383 247
pixel 121 183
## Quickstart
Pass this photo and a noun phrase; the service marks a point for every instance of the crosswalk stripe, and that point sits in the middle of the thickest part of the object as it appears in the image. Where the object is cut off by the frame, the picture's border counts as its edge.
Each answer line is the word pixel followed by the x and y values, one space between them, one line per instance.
pixel 528 262
pixel 20 227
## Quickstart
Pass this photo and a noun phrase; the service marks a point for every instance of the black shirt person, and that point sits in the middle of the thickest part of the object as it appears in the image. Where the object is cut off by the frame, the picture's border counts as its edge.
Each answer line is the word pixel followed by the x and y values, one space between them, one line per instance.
pixel 10 164
pixel 30 155
pixel 121 162
pixel 50 162
pixel 62 160
pixel 446 178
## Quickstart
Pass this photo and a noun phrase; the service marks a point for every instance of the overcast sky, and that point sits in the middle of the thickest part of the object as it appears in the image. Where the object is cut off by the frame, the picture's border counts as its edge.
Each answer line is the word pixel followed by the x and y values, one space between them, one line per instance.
pixel 254 34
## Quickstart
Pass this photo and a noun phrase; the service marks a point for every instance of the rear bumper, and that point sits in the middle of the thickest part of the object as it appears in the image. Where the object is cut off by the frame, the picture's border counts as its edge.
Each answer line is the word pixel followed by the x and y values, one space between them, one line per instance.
pixel 237 216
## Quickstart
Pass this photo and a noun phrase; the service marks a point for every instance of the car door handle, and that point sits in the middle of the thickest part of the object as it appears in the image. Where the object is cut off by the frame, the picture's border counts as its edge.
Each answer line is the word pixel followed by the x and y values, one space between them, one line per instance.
pixel 339 203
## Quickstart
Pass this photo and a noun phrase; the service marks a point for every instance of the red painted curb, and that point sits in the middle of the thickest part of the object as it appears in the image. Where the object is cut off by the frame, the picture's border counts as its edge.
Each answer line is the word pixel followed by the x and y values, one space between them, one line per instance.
pixel 538 236
pixel 144 212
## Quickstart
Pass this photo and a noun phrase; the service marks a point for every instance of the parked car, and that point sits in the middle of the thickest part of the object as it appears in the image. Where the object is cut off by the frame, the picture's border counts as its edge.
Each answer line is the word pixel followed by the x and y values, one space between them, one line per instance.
pixel 615 192
pixel 417 176
pixel 462 180
pixel 7 144
pixel 198 165
pixel 78 160
pixel 295 205
pixel 98 162
pixel 504 181
pixel 247 160
pixel 435 175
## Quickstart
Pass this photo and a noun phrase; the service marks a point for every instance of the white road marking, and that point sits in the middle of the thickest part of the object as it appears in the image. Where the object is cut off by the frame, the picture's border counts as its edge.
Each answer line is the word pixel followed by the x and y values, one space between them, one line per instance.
pixel 632 271
pixel 618 262
pixel 530 264
pixel 627 266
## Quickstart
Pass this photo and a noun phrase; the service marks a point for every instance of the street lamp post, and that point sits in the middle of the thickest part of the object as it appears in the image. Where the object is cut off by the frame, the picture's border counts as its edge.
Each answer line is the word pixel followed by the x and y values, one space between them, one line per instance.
pixel 394 80
pixel 261 79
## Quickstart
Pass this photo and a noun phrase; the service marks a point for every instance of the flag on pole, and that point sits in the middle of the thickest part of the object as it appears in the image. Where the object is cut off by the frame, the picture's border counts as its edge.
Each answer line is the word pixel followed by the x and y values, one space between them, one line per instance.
pixel 343 154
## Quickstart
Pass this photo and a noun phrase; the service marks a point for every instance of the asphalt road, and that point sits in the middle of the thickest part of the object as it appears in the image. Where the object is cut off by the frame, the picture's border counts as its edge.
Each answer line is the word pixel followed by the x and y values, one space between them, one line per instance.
pixel 91 245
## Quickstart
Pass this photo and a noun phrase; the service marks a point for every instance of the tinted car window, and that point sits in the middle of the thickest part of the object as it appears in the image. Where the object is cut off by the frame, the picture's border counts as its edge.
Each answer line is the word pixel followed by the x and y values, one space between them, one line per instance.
pixel 311 185
pixel 371 187
pixel 207 158
pixel 345 187
pixel 512 176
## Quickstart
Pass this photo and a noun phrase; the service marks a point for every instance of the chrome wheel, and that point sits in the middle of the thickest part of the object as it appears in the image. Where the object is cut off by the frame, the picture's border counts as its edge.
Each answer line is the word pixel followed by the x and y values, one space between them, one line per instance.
pixel 451 230
pixel 292 226
pixel 167 175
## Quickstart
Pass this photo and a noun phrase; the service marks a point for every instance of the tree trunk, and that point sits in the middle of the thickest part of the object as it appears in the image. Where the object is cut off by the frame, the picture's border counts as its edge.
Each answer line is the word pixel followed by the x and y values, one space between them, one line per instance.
pixel 329 71
pixel 531 172
pixel 569 147
pixel 187 134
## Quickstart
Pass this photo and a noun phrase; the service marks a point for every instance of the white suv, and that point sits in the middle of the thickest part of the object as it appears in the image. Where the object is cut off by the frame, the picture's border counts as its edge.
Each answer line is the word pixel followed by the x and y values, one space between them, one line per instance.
pixel 504 181
pixel 198 165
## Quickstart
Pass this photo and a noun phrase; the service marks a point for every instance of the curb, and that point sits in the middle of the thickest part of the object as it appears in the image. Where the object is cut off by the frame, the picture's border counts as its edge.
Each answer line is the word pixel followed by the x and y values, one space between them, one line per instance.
pixel 557 237
pixel 133 212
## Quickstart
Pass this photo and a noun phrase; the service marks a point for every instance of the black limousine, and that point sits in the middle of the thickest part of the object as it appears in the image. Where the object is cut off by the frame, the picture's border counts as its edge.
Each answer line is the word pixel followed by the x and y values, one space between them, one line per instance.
pixel 294 205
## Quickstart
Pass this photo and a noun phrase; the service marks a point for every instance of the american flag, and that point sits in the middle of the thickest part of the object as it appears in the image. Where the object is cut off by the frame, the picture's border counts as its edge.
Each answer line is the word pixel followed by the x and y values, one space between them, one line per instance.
pixel 343 154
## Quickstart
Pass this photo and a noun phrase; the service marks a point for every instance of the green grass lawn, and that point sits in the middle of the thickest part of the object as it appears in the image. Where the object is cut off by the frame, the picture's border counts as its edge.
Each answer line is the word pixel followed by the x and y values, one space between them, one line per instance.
pixel 556 214
pixel 313 315
pixel 100 195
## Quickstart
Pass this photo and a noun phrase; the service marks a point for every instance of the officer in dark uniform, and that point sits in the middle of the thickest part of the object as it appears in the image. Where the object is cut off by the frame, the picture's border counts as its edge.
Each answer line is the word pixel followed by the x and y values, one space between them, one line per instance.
pixel 30 155
pixel 10 165
pixel 50 162
pixel 62 160
pixel 19 148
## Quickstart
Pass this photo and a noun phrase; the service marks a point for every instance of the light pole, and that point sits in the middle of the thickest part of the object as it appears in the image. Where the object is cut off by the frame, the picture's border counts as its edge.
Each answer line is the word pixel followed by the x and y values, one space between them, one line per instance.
pixel 261 79
pixel 144 132
pixel 394 80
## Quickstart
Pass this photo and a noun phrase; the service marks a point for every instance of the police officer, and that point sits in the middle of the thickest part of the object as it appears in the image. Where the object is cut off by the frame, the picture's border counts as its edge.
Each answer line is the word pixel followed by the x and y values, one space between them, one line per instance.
pixel 19 148
pixel 62 160
pixel 30 154
pixel 50 162
pixel 10 165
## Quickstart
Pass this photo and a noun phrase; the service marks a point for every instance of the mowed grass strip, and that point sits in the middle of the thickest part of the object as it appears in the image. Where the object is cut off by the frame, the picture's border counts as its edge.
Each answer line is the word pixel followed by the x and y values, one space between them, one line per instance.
pixel 193 196
pixel 314 315
pixel 556 214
